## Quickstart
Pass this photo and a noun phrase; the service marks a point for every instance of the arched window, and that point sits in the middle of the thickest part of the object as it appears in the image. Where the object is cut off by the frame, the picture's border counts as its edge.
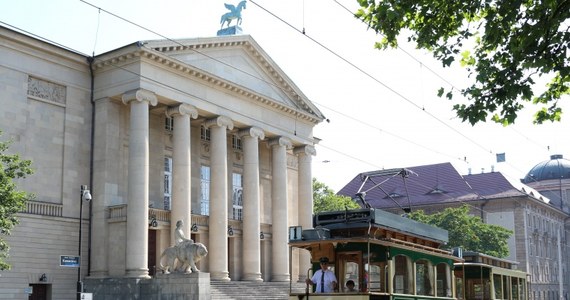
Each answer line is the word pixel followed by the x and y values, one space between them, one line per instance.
pixel 424 278
pixel 402 275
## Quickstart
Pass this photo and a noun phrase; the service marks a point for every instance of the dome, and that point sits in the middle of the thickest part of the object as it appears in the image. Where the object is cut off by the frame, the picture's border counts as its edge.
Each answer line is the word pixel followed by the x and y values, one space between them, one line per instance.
pixel 555 168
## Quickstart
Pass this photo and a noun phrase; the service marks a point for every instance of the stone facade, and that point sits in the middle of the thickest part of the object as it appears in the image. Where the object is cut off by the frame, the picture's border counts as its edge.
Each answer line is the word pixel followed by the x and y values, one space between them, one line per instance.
pixel 209 131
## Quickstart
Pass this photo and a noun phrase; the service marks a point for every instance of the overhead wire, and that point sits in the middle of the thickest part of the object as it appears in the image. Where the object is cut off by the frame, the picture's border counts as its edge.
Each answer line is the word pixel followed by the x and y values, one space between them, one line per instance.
pixel 238 68
pixel 438 76
pixel 176 89
pixel 367 74
pixel 257 77
pixel 328 49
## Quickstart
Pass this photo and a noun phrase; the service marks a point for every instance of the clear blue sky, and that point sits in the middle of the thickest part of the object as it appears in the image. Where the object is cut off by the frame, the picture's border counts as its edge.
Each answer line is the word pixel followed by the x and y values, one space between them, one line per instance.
pixel 384 115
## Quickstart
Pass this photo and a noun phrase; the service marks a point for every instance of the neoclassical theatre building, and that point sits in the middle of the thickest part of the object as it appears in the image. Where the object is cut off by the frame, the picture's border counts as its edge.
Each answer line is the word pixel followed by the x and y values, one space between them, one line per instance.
pixel 209 131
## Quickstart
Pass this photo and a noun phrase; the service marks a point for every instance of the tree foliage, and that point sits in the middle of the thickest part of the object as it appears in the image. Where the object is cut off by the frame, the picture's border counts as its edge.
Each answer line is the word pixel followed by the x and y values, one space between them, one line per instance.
pixel 505 45
pixel 468 232
pixel 325 199
pixel 12 201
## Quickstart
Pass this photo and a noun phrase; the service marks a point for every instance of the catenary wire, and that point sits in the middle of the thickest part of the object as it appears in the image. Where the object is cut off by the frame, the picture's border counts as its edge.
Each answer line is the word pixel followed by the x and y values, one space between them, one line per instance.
pixel 189 94
pixel 490 152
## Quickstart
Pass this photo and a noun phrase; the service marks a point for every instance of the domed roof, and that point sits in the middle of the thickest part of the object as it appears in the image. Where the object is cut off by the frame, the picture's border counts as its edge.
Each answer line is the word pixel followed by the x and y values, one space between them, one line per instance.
pixel 555 168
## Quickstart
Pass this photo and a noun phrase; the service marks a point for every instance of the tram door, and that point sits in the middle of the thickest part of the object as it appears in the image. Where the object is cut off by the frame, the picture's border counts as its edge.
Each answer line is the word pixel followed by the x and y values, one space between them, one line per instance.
pixel 349 268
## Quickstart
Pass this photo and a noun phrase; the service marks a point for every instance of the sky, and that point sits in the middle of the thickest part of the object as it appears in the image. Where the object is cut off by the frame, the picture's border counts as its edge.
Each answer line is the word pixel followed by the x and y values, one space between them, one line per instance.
pixel 381 106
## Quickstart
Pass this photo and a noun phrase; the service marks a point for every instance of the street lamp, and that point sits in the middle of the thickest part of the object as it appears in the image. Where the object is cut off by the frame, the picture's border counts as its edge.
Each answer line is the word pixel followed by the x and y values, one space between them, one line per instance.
pixel 85 196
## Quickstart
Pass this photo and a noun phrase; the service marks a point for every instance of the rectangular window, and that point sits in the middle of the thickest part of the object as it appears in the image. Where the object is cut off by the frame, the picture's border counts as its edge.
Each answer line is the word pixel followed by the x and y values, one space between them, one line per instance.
pixel 205 190
pixel 204 133
pixel 167 182
pixel 169 124
pixel 236 142
pixel 237 198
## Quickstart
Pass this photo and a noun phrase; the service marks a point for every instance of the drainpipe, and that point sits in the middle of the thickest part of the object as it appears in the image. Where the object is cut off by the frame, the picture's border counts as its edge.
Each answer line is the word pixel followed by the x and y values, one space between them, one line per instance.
pixel 90 61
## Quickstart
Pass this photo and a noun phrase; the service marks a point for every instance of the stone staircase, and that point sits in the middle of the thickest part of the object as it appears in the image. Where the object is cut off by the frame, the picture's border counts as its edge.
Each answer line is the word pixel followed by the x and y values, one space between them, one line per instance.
pixel 237 290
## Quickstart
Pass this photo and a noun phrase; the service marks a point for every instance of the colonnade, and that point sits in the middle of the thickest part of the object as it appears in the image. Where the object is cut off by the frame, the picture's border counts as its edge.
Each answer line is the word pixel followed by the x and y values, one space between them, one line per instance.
pixel 138 195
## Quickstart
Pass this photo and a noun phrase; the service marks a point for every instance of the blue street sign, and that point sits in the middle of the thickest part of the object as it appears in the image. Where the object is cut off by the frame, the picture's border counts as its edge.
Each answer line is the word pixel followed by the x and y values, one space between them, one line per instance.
pixel 69 261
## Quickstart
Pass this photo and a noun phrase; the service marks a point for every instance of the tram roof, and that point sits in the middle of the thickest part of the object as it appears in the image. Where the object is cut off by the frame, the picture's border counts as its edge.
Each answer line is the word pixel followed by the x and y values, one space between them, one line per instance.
pixel 377 218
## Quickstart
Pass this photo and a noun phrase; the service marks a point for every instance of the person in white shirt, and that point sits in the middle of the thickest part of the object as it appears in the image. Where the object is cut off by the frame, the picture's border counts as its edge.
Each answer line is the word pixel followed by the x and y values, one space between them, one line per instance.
pixel 324 279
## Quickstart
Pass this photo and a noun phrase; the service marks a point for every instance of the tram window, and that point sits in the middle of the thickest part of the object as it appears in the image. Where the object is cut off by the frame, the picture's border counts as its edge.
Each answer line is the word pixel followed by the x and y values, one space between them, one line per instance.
pixel 375 277
pixel 506 287
pixel 351 273
pixel 402 275
pixel 522 289
pixel 459 287
pixel 443 275
pixel 515 288
pixel 424 278
pixel 497 285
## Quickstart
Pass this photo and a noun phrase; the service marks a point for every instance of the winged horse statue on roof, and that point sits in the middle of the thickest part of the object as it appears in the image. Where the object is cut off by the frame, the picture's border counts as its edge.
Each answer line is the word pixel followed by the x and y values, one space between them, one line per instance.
pixel 235 13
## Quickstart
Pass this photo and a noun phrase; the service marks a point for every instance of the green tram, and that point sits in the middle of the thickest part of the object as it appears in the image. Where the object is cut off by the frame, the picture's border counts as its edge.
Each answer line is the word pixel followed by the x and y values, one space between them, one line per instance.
pixel 483 277
pixel 387 256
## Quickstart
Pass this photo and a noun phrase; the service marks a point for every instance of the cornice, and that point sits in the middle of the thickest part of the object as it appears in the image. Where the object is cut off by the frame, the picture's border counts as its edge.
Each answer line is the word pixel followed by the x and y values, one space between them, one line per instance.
pixel 155 55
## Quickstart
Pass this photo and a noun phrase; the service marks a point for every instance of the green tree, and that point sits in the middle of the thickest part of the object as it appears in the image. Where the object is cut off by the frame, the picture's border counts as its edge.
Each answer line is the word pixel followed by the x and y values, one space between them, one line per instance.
pixel 325 199
pixel 505 45
pixel 12 201
pixel 468 232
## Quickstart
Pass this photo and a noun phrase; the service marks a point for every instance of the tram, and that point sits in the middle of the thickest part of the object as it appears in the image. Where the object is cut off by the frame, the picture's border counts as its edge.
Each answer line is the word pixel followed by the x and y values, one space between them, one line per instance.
pixel 387 256
pixel 483 277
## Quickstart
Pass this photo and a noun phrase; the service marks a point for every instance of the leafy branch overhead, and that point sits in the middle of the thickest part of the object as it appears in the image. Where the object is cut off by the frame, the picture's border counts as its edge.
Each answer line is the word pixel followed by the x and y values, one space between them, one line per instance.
pixel 12 201
pixel 467 231
pixel 506 45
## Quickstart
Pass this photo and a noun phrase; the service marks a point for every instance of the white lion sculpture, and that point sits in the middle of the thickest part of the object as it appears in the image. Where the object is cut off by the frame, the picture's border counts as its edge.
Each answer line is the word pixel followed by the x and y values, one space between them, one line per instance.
pixel 183 257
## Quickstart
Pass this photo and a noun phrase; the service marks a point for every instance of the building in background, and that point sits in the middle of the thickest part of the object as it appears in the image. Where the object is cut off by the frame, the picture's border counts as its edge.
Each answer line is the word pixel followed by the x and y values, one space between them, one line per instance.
pixel 541 225
pixel 209 131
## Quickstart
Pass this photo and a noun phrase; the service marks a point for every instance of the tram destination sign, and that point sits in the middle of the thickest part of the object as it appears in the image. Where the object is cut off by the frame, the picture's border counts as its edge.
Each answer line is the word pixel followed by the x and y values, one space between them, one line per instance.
pixel 69 261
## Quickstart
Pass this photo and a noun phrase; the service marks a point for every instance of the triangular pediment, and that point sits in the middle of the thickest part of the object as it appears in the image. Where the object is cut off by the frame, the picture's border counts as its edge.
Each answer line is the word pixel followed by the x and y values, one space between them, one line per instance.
pixel 240 61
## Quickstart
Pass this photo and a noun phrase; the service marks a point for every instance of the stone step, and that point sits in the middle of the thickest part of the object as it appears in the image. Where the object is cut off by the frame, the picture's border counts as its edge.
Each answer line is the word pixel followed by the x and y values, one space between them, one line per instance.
pixel 252 290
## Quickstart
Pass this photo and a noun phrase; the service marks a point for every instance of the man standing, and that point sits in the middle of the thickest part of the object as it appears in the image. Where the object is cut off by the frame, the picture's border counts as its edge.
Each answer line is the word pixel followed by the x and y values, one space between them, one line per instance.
pixel 323 278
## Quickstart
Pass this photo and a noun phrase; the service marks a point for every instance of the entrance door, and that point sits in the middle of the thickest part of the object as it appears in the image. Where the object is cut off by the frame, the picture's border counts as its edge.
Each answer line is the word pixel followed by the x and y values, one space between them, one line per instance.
pixel 39 292
pixel 151 252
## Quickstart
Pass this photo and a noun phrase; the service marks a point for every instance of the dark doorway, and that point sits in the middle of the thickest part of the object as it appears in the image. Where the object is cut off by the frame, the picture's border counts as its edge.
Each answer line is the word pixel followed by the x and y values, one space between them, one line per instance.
pixel 151 252
pixel 39 292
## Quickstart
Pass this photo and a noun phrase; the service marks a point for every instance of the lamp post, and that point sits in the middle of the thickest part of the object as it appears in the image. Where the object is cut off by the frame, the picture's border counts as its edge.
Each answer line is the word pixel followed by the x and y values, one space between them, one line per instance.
pixel 85 196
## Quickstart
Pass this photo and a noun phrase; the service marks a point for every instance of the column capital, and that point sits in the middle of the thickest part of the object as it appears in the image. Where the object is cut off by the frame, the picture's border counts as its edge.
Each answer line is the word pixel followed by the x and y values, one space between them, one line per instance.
pixel 254 132
pixel 182 109
pixel 305 149
pixel 281 141
pixel 219 121
pixel 140 95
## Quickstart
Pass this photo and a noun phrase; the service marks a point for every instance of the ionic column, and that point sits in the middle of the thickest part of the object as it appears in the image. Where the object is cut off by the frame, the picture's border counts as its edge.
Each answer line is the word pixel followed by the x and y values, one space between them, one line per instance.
pixel 137 208
pixel 305 199
pixel 181 173
pixel 279 214
pixel 251 227
pixel 218 237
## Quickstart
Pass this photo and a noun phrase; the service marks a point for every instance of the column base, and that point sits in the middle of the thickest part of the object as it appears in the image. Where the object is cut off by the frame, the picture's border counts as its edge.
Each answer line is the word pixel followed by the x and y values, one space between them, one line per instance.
pixel 220 276
pixel 98 274
pixel 138 273
pixel 284 277
pixel 252 277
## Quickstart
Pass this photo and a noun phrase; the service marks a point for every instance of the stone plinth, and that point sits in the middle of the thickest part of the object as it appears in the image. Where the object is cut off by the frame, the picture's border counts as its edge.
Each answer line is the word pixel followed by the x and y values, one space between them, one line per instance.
pixel 195 286
pixel 232 30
